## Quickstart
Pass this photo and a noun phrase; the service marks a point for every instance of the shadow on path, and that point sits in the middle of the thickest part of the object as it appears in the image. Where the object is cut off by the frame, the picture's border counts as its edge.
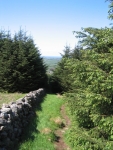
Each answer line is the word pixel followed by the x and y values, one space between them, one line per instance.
pixel 31 127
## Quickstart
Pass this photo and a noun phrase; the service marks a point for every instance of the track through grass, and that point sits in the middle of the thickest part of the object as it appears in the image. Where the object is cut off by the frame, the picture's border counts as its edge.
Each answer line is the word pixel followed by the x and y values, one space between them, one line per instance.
pixel 39 135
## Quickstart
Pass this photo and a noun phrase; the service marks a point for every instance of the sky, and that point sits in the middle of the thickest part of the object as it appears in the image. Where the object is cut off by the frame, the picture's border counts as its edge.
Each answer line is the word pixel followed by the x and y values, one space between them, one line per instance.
pixel 51 22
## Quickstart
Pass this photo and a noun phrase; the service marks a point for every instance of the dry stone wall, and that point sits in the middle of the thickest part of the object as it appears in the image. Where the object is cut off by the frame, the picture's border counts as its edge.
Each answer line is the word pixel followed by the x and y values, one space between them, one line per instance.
pixel 15 116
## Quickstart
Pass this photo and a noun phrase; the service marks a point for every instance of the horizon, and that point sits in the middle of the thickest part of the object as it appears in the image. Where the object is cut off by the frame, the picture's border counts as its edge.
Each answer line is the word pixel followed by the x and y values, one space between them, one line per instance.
pixel 53 56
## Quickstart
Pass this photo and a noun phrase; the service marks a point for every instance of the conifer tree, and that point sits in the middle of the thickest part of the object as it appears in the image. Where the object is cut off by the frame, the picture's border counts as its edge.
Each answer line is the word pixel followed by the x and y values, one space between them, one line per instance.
pixel 21 64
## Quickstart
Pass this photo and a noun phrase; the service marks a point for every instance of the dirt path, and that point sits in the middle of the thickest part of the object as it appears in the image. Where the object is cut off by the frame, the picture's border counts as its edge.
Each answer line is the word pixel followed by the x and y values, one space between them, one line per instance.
pixel 60 144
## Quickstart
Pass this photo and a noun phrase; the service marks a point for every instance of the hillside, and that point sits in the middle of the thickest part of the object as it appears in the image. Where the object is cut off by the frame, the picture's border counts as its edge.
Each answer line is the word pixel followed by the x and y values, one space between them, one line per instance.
pixel 51 62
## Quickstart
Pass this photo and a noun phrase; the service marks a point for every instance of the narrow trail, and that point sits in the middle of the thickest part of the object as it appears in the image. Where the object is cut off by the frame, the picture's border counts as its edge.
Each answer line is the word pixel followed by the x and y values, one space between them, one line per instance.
pixel 60 144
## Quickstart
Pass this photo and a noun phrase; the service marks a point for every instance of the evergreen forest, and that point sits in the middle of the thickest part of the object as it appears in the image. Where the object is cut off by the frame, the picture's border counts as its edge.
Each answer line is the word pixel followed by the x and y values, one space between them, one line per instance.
pixel 21 66
pixel 84 76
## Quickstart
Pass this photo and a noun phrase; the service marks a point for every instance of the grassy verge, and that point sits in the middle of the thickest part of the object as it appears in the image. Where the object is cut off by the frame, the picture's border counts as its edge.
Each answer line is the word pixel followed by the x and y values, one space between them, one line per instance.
pixel 39 135
pixel 9 97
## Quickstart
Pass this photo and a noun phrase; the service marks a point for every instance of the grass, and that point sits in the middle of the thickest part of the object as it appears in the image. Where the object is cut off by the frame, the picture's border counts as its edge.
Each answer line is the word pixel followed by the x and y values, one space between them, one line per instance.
pixel 39 135
pixel 9 97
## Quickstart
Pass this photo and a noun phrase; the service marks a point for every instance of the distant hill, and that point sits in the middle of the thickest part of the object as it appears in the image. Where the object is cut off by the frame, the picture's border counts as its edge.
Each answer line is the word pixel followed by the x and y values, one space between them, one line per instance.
pixel 51 62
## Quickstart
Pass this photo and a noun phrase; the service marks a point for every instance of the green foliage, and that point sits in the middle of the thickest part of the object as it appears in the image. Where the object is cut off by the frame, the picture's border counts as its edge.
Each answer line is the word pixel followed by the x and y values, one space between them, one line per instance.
pixel 66 52
pixel 21 66
pixel 99 40
pixel 88 86
pixel 62 75
pixel 54 85
pixel 110 12
pixel 72 53
pixel 76 53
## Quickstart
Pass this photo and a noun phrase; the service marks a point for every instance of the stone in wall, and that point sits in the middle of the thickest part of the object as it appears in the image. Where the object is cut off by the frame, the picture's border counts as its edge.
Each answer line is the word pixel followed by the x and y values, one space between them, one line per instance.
pixel 15 116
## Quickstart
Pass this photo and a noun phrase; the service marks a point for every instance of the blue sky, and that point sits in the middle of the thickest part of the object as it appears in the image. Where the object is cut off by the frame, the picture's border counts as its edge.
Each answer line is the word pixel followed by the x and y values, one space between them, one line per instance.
pixel 51 22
